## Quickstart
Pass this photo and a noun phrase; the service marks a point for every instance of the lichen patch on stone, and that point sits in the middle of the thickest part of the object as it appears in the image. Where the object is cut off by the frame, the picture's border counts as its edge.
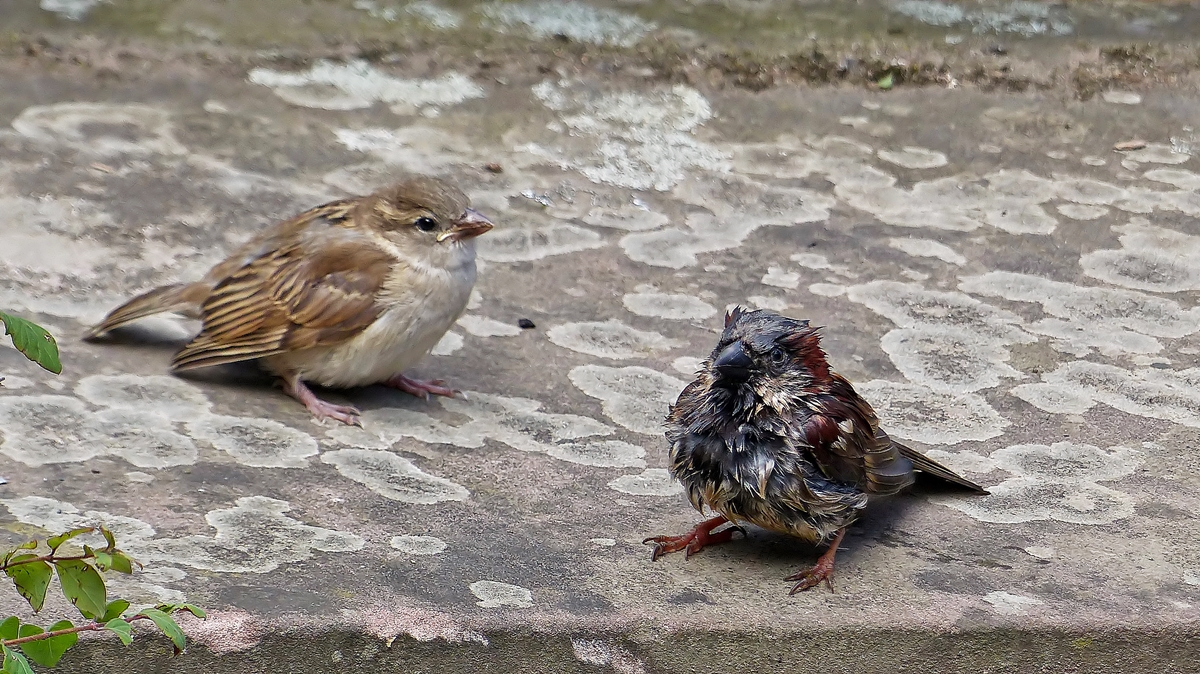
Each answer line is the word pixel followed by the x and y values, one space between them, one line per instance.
pixel 641 140
pixel 1007 603
pixel 418 545
pixel 671 306
pixel 394 477
pixel 1112 321
pixel 635 397
pixel 610 339
pixel 358 84
pixel 927 248
pixel 254 536
pixel 1054 482
pixel 576 20
pixel 83 126
pixel 1075 387
pixel 166 395
pixel 493 594
pixel 44 429
pixel 1151 258
pixel 260 443
pixel 650 482
pixel 916 413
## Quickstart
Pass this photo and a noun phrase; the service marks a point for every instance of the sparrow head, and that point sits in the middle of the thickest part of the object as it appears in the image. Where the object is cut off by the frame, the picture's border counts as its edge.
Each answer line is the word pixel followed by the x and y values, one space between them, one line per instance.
pixel 769 357
pixel 426 212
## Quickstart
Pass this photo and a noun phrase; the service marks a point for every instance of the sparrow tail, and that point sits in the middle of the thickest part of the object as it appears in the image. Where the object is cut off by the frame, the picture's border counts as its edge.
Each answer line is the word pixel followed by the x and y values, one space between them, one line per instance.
pixel 930 467
pixel 182 297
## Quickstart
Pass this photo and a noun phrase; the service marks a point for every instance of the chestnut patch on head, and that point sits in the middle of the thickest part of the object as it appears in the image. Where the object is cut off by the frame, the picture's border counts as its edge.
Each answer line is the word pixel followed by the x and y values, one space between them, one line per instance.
pixel 805 344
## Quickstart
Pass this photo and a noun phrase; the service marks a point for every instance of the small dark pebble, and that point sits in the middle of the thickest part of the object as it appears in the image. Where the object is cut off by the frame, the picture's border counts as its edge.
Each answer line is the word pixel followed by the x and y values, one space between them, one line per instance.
pixel 525 324
pixel 494 167
pixel 997 49
pixel 95 471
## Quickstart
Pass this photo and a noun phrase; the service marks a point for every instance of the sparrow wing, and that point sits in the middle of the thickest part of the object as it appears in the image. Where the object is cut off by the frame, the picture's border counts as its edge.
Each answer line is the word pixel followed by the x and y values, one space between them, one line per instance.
pixel 312 282
pixel 848 445
pixel 927 465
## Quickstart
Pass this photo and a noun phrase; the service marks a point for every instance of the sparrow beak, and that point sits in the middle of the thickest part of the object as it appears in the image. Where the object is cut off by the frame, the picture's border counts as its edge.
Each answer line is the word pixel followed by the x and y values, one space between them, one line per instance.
pixel 470 225
pixel 733 364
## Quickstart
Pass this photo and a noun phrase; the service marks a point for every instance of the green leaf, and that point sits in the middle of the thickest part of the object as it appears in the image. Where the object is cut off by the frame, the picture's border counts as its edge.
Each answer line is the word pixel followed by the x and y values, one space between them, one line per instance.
pixel 31 579
pixel 32 340
pixel 83 586
pixel 27 545
pixel 114 610
pixel 121 562
pixel 58 540
pixel 15 663
pixel 193 609
pixel 121 628
pixel 108 536
pixel 886 81
pixel 190 608
pixel 168 626
pixel 47 652
pixel 10 628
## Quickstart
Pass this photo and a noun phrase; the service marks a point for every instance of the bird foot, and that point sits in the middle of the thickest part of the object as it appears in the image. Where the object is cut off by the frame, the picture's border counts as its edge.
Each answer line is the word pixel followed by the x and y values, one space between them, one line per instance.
pixel 821 571
pixel 321 409
pixel 695 540
pixel 421 388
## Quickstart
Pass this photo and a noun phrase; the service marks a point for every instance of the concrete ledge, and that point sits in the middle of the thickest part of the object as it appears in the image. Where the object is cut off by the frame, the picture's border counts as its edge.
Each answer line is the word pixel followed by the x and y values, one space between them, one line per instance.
pixel 1012 295
pixel 801 650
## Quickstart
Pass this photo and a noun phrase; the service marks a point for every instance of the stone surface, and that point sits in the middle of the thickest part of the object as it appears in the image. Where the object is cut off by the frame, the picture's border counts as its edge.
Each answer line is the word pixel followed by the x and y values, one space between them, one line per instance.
pixel 1010 293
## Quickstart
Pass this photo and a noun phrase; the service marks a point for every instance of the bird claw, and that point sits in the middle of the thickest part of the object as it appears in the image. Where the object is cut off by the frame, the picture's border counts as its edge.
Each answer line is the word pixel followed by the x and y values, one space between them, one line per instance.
pixel 694 541
pixel 821 571
pixel 812 578
pixel 422 389
pixel 322 409
pixel 346 414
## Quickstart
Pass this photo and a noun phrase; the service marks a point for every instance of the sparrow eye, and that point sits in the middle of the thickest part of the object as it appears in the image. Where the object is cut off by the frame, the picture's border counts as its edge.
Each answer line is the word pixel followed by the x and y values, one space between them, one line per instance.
pixel 778 357
pixel 426 224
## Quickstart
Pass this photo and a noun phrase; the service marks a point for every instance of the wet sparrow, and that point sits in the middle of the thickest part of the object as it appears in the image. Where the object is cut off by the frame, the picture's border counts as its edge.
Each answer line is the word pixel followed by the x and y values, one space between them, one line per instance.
pixel 768 435
pixel 349 293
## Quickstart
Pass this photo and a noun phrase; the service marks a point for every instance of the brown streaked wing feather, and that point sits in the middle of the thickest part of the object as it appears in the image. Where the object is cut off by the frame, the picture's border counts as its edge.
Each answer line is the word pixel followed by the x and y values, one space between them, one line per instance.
pixel 182 297
pixel 848 446
pixel 927 465
pixel 867 454
pixel 292 298
pixel 281 235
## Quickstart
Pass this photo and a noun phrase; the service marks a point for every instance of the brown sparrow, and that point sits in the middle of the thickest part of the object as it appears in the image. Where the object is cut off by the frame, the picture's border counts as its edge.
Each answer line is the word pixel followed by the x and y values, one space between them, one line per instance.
pixel 767 434
pixel 347 294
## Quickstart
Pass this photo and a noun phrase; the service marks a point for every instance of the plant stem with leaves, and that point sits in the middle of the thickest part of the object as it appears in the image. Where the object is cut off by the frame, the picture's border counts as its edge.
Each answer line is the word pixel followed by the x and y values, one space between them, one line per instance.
pixel 82 584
